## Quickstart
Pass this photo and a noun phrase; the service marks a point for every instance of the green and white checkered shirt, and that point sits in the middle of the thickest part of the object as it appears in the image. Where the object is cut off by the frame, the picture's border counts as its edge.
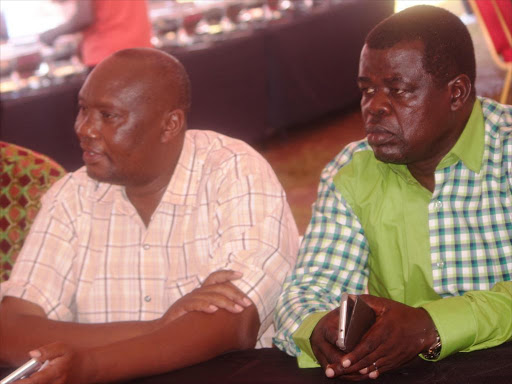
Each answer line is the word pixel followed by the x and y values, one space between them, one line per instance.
pixel 375 228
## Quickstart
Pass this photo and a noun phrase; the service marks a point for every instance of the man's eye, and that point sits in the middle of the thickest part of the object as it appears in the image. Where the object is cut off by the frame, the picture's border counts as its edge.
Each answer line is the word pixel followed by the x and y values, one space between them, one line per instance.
pixel 368 90
pixel 397 91
pixel 108 115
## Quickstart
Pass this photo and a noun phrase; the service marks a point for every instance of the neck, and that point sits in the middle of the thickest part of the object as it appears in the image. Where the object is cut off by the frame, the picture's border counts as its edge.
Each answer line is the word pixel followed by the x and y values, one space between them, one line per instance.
pixel 424 171
pixel 146 198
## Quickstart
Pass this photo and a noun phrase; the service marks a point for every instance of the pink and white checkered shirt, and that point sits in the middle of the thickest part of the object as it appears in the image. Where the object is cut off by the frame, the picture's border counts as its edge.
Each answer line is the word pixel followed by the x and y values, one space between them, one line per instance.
pixel 89 257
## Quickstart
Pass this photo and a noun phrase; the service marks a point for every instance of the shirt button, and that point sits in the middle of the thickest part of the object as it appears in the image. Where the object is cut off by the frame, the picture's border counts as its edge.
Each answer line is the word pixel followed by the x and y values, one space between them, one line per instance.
pixel 146 246
pixel 438 205
pixel 147 299
pixel 440 264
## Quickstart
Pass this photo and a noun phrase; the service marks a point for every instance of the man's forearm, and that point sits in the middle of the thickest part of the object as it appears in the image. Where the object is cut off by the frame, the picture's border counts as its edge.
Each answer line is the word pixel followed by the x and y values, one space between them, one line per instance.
pixel 22 331
pixel 190 339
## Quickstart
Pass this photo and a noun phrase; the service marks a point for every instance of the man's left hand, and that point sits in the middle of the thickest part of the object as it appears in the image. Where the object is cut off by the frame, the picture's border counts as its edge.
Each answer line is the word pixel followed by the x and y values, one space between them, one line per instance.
pixel 399 334
pixel 64 365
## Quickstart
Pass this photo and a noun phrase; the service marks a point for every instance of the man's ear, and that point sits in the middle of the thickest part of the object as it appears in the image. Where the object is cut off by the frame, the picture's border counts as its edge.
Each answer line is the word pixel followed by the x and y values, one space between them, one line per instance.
pixel 173 124
pixel 460 90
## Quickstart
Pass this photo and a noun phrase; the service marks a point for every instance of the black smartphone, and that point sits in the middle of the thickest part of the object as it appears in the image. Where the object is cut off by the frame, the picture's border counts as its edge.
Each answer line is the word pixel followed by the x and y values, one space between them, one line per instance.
pixel 356 318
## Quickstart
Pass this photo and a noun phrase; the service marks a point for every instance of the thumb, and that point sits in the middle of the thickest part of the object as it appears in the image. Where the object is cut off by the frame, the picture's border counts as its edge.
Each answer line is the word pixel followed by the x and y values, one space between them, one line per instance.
pixel 49 352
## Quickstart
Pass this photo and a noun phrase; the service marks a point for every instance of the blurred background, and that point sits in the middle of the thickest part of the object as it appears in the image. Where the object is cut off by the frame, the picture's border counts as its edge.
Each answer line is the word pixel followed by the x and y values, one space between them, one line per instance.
pixel 279 74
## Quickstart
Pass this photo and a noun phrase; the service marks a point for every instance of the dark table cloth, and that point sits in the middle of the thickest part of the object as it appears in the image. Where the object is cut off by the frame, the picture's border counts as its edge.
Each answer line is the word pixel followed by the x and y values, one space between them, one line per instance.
pixel 271 366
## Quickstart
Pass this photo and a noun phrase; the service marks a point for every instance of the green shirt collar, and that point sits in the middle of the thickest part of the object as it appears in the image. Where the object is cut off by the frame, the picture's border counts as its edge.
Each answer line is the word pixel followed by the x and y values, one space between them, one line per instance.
pixel 470 146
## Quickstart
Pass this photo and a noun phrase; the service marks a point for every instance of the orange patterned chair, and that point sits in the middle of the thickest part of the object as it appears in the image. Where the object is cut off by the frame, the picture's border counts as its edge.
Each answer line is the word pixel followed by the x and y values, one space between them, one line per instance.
pixel 24 176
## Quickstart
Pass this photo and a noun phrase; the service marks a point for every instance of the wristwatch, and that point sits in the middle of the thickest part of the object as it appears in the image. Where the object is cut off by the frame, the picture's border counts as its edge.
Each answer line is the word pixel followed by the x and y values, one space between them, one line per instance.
pixel 435 349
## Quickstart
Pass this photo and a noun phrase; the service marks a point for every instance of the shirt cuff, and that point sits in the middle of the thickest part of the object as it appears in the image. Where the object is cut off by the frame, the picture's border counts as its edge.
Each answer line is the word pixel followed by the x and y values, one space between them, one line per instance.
pixel 301 336
pixel 454 320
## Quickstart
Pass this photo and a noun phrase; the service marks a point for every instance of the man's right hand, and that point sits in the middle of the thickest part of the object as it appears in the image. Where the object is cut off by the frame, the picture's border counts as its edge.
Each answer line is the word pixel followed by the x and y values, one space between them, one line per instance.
pixel 323 343
pixel 216 292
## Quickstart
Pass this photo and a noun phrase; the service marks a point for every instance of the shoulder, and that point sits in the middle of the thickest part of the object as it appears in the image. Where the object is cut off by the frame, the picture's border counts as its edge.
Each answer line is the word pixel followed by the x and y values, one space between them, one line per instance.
pixel 497 117
pixel 75 189
pixel 218 152
pixel 498 126
pixel 351 158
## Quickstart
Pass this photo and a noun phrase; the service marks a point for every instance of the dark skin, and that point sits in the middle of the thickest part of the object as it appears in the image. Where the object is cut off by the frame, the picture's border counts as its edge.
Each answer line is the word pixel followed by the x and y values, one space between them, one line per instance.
pixel 131 127
pixel 409 119
pixel 125 143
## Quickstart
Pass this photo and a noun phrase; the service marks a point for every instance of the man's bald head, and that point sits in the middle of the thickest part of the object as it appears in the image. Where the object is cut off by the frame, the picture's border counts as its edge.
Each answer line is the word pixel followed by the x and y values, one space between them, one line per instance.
pixel 164 76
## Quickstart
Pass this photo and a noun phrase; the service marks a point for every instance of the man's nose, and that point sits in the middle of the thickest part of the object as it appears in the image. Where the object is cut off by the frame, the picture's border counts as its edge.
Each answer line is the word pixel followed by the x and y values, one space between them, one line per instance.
pixel 378 104
pixel 86 125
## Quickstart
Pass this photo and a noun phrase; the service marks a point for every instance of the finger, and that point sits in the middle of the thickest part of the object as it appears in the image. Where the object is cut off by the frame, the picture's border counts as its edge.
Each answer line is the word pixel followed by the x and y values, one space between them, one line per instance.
pixel 369 369
pixel 229 291
pixel 49 352
pixel 366 351
pixel 49 374
pixel 366 364
pixel 222 276
pixel 46 376
pixel 210 302
pixel 331 357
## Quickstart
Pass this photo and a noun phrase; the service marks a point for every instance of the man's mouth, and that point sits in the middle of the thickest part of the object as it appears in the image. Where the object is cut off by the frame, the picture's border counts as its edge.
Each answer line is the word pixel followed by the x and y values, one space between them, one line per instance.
pixel 379 136
pixel 91 155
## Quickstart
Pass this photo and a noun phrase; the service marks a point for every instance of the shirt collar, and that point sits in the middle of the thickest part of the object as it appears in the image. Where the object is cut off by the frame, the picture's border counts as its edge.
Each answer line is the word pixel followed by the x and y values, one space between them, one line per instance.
pixel 182 189
pixel 469 148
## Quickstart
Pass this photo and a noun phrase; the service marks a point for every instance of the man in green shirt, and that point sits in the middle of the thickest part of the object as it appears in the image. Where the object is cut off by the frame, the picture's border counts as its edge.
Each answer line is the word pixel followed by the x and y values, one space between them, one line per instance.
pixel 418 214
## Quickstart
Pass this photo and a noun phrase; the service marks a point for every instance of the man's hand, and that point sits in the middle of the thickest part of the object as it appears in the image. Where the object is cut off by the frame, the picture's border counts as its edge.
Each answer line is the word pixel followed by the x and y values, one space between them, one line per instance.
pixel 216 292
pixel 323 342
pixel 63 366
pixel 399 334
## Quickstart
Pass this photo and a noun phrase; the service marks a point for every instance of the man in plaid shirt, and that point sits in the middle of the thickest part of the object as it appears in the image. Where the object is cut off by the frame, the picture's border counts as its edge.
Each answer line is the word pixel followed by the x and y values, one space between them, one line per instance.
pixel 168 248
pixel 418 215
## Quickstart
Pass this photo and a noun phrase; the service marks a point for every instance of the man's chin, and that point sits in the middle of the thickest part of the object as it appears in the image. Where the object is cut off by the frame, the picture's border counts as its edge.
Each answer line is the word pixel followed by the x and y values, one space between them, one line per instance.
pixel 97 175
pixel 388 157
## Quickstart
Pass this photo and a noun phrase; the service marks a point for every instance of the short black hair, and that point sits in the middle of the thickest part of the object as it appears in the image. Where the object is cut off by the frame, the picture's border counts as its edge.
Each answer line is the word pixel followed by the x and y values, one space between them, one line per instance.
pixel 449 49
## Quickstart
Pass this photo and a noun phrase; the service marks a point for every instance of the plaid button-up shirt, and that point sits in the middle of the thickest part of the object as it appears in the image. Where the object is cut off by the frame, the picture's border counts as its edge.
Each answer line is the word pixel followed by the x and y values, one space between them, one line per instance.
pixel 89 257
pixel 375 228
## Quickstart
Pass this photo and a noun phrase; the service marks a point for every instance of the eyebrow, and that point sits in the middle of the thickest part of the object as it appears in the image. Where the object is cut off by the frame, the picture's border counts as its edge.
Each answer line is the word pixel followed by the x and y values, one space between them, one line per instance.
pixel 395 79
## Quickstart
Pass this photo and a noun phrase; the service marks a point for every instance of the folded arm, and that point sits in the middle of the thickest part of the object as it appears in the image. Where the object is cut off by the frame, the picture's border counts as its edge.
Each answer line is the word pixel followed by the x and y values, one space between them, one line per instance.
pixel 24 326
pixel 189 339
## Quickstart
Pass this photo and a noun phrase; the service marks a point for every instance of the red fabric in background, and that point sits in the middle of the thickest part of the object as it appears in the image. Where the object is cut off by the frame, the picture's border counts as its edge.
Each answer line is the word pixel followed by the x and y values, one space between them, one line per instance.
pixel 118 24
pixel 503 48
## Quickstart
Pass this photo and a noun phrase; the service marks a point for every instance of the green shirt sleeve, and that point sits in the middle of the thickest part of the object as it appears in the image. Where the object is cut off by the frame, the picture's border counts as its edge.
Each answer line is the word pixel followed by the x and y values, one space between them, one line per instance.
pixel 301 336
pixel 475 320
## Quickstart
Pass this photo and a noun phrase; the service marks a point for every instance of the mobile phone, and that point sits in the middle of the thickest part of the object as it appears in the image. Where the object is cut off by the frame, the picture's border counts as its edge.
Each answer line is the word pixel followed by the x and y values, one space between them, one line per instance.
pixel 356 318
pixel 22 372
